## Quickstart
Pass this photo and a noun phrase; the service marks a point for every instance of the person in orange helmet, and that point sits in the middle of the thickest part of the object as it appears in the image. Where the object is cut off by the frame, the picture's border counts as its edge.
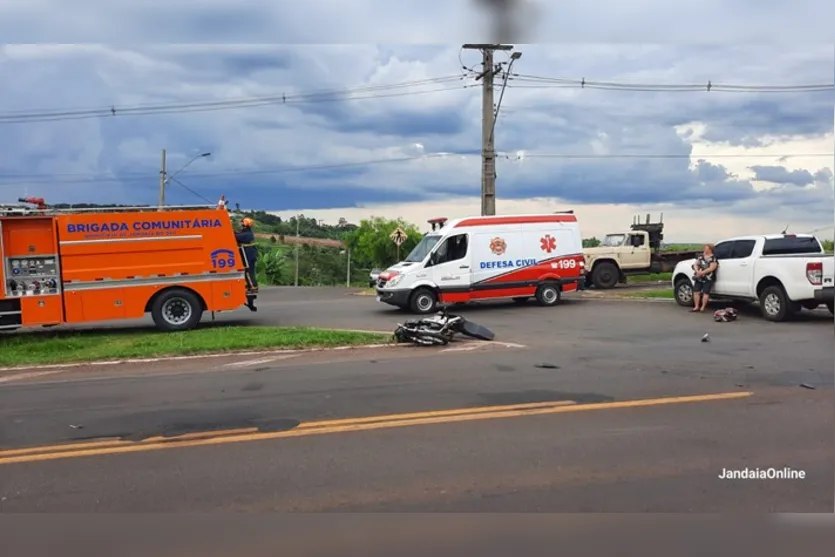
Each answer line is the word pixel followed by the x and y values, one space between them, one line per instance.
pixel 246 239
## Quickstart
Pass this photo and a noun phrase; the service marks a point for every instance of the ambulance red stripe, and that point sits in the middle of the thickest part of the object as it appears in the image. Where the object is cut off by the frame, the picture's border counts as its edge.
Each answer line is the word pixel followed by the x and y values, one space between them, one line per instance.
pixel 539 271
pixel 461 296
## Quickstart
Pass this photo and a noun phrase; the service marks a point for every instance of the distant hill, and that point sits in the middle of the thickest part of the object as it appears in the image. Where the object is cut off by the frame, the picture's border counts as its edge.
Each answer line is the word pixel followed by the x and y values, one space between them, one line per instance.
pixel 293 240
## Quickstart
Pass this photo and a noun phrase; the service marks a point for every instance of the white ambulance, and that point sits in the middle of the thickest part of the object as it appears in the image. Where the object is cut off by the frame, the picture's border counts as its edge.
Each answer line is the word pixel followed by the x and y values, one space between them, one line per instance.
pixel 487 258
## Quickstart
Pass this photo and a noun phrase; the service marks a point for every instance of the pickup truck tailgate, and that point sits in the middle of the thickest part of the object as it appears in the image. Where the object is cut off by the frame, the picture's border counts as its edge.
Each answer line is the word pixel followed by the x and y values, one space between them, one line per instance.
pixel 825 293
pixel 828 271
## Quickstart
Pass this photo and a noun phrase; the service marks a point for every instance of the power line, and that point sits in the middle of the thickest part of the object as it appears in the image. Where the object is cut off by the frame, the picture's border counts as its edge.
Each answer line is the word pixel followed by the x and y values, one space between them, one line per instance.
pixel 141 177
pixel 150 175
pixel 358 93
pixel 185 187
pixel 270 98
pixel 663 156
pixel 540 82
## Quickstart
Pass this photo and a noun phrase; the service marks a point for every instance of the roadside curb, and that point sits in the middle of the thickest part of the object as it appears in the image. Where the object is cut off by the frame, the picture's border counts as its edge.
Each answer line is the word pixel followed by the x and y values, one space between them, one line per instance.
pixel 628 299
pixel 204 356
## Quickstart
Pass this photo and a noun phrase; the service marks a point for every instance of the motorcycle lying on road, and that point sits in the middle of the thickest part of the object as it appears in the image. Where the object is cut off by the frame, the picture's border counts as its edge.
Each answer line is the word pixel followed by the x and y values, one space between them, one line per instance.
pixel 439 330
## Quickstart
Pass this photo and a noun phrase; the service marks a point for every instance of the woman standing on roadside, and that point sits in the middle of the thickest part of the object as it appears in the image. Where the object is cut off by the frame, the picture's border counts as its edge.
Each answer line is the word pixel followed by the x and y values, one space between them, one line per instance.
pixel 704 277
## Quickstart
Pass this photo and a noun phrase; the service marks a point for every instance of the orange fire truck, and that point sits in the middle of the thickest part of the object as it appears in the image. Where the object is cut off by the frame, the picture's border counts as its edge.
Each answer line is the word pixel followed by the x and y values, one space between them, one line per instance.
pixel 92 265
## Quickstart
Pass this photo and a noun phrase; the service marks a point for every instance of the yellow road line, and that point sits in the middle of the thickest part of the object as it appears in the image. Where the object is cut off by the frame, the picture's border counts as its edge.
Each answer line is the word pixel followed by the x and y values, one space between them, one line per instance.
pixel 305 425
pixel 55 452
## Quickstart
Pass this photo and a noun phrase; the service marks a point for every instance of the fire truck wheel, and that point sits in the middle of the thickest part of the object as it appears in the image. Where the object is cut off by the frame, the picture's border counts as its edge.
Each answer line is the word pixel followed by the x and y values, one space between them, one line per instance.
pixel 176 309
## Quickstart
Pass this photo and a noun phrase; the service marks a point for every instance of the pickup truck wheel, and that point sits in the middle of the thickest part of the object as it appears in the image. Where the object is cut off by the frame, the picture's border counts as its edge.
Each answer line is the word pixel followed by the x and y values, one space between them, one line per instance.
pixel 605 275
pixel 548 295
pixel 684 292
pixel 176 310
pixel 423 301
pixel 775 305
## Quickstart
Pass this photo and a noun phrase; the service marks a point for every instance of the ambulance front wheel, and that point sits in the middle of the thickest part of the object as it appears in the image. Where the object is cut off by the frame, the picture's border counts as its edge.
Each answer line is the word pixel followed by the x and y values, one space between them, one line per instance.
pixel 423 300
pixel 176 309
pixel 548 295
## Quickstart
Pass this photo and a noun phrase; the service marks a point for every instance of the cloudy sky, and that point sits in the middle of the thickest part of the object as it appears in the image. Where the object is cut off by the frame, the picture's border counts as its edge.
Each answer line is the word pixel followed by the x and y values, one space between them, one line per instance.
pixel 377 129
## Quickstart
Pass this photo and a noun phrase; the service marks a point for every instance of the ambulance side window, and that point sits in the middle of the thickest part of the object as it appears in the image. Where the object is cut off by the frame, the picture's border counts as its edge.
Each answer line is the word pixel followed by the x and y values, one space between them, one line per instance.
pixel 453 249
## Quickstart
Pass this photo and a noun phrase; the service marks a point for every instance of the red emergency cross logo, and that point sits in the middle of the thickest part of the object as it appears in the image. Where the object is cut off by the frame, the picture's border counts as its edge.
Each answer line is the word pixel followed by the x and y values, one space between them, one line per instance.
pixel 548 243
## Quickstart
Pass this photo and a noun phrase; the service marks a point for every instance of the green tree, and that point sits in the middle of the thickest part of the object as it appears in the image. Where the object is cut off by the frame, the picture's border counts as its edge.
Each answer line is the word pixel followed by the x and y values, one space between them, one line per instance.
pixel 371 244
pixel 592 242
pixel 828 246
pixel 274 266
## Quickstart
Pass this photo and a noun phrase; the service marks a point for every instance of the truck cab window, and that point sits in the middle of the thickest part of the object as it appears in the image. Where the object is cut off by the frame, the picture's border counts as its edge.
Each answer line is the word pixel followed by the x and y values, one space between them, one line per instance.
pixel 722 250
pixel 613 240
pixel 743 249
pixel 791 245
pixel 453 249
pixel 636 240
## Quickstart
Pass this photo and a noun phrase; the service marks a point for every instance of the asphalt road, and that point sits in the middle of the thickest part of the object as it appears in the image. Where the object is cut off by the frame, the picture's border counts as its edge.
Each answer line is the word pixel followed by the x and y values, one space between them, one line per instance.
pixel 544 422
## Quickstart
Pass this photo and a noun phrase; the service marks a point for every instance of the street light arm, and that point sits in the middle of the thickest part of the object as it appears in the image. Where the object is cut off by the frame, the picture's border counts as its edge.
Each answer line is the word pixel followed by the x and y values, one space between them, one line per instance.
pixel 194 158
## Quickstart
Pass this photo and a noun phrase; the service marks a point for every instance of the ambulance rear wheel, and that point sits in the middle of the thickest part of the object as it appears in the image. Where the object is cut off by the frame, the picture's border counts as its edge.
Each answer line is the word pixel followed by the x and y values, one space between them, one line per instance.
pixel 423 300
pixel 176 309
pixel 548 295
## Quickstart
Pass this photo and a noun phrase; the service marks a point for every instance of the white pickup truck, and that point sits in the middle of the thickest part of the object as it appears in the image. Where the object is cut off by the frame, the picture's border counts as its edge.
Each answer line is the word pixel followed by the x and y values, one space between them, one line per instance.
pixel 783 272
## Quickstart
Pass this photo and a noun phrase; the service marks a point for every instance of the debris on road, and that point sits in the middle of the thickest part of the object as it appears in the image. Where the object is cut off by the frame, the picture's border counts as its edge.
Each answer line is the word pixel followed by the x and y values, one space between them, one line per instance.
pixel 807 386
pixel 73 426
pixel 725 315
pixel 547 366
pixel 706 338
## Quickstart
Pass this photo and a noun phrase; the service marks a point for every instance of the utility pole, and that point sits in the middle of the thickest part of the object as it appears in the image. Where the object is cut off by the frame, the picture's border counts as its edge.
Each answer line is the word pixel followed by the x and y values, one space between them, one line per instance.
pixel 296 282
pixel 162 182
pixel 348 272
pixel 488 122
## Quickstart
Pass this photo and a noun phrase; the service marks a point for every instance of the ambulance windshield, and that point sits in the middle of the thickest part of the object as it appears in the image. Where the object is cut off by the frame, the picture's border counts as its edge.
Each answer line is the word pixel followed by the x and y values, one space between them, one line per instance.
pixel 422 249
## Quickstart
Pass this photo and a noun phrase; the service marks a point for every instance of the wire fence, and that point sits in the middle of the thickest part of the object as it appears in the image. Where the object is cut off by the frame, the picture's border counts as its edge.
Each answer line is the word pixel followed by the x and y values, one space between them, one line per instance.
pixel 284 264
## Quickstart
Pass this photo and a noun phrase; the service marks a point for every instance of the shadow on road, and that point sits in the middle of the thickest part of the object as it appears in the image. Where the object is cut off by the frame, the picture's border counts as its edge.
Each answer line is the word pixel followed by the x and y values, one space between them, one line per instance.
pixel 506 306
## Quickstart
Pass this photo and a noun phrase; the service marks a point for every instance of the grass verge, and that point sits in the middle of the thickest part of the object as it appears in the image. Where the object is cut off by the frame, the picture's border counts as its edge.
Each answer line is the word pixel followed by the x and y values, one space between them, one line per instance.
pixel 38 348
pixel 661 293
pixel 653 277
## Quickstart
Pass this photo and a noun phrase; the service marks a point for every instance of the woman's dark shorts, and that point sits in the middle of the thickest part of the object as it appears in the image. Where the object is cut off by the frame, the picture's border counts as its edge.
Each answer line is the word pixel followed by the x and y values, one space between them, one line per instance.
pixel 702 285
